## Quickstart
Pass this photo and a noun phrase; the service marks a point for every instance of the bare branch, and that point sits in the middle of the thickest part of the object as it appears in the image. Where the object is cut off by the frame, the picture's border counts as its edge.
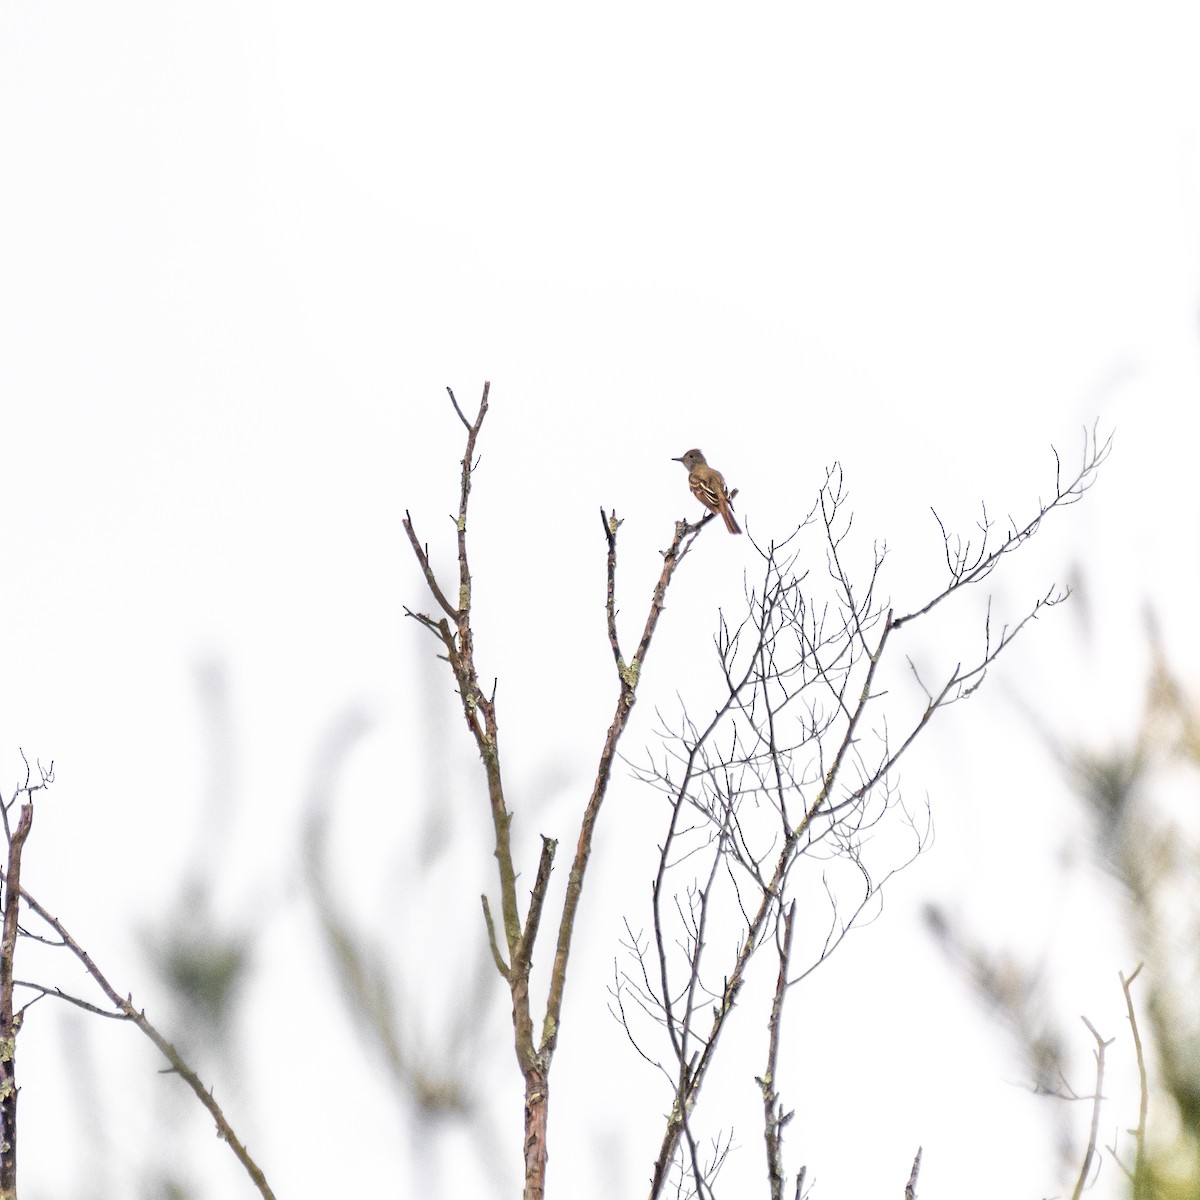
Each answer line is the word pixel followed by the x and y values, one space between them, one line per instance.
pixel 534 1056
pixel 59 994
pixel 1098 1098
pixel 969 565
pixel 1141 1177
pixel 611 525
pixel 479 708
pixel 124 1006
pixel 422 554
pixel 798 763
pixel 625 701
pixel 498 958
pixel 8 1027
pixel 910 1188
pixel 774 1118
pixel 537 900
pixel 469 426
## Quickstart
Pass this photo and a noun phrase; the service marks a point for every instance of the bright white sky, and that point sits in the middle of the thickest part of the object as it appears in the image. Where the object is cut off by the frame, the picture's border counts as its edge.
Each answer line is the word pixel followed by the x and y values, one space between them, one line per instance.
pixel 243 249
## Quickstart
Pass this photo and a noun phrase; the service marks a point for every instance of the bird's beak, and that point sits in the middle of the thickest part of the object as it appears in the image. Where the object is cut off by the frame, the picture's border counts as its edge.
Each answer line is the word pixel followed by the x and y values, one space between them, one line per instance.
pixel 679 459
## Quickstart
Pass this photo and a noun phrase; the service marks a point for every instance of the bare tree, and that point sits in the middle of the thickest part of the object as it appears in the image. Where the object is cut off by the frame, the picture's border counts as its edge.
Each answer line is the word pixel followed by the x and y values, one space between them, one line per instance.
pixel 513 943
pixel 788 787
pixel 785 794
pixel 788 791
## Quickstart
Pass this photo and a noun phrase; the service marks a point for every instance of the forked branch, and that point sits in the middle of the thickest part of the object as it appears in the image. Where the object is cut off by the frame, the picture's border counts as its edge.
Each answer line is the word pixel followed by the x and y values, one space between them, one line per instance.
pixel 796 768
pixel 1097 1101
pixel 8 1026
pixel 513 945
pixel 968 563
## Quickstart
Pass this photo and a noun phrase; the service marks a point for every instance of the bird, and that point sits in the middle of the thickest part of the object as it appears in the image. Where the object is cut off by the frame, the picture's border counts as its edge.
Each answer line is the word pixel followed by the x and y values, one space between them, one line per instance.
pixel 708 486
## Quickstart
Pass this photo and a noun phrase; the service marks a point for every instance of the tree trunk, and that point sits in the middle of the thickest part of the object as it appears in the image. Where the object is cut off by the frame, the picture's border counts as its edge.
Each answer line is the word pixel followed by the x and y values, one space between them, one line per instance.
pixel 537 1108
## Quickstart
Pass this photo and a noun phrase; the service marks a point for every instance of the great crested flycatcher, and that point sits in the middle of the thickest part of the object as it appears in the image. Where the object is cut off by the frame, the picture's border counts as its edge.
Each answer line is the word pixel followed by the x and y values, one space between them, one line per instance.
pixel 708 486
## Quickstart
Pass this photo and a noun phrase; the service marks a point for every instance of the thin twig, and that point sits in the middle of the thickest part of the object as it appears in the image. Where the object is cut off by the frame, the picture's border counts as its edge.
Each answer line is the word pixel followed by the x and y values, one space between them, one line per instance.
pixel 1141 1177
pixel 59 994
pixel 583 850
pixel 497 957
pixel 1097 1101
pixel 479 709
pixel 825 790
pixel 965 570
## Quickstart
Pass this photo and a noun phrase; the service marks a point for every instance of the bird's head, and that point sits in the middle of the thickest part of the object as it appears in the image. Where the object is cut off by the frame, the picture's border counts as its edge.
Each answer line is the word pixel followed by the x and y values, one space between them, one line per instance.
pixel 691 460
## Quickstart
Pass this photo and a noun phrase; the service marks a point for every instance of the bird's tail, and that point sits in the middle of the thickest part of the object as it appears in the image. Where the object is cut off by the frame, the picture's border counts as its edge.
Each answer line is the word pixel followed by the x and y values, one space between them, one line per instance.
pixel 730 521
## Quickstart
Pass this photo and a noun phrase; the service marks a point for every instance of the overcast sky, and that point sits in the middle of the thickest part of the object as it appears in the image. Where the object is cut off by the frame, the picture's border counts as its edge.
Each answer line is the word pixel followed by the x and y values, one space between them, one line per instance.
pixel 244 247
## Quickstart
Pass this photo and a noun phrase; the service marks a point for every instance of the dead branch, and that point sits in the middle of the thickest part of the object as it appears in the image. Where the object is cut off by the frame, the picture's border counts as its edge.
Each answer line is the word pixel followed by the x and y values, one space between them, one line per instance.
pixel 516 936
pixel 797 763
pixel 774 1118
pixel 1141 1175
pixel 968 564
pixel 910 1188
pixel 1098 1098
pixel 8 1027
pixel 126 1011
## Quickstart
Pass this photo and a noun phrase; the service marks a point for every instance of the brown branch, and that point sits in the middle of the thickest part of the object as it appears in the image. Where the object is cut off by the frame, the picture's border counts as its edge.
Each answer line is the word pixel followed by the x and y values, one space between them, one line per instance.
pixel 537 1116
pixel 461 415
pixel 823 796
pixel 479 710
pixel 1090 1153
pixel 583 849
pixel 836 781
pixel 468 465
pixel 611 525
pixel 422 553
pixel 497 957
pixel 964 570
pixel 8 1027
pixel 537 899
pixel 910 1188
pixel 125 1007
pixel 59 994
